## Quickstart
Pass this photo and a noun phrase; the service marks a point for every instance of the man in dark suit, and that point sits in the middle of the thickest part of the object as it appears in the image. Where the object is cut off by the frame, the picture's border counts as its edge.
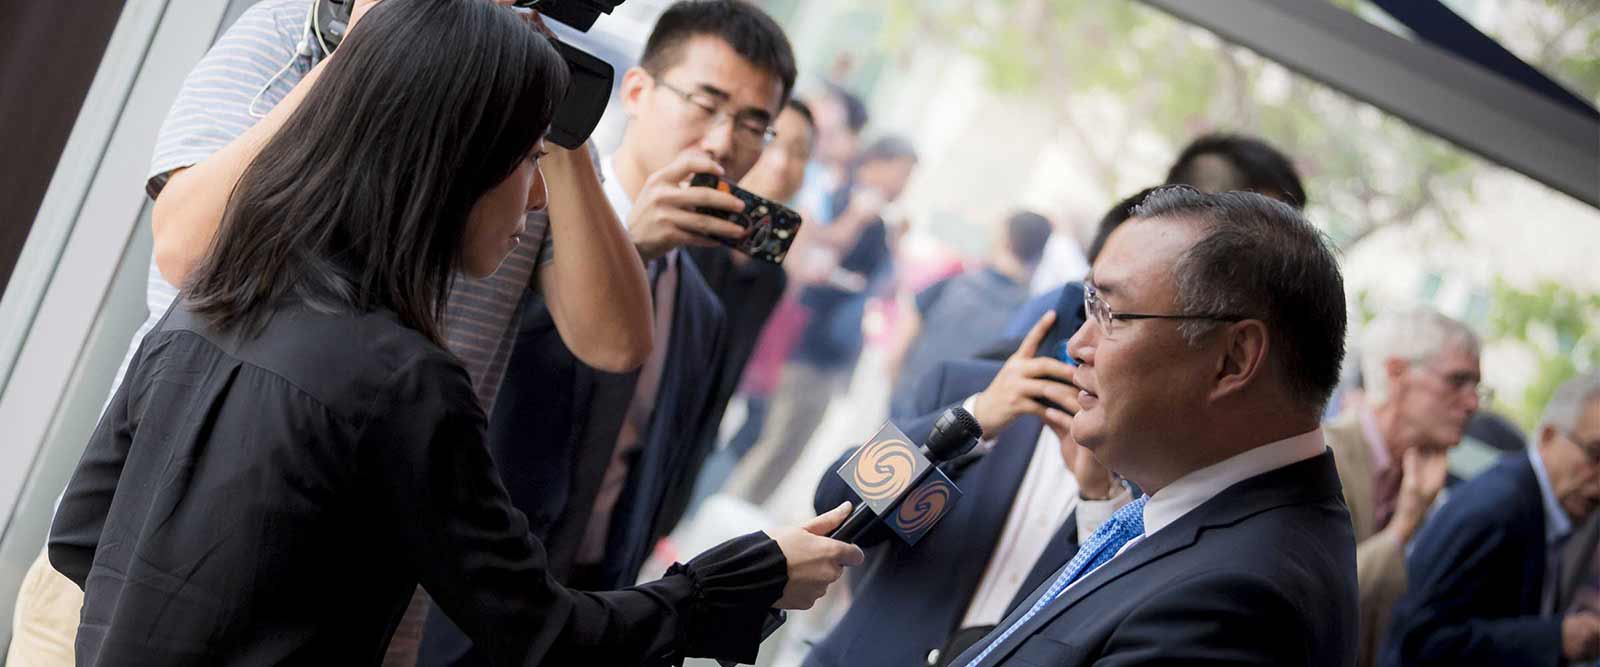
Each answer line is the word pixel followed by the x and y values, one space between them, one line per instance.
pixel 748 288
pixel 1027 498
pixel 1215 333
pixel 591 457
pixel 1484 584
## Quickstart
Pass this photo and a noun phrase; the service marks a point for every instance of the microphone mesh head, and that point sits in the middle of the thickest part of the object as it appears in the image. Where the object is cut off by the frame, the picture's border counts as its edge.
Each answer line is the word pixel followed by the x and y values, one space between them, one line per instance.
pixel 956 432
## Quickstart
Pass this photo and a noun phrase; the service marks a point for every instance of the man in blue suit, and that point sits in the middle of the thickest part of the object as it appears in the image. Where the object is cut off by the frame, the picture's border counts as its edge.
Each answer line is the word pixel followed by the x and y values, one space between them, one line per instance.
pixel 1484 572
pixel 1215 333
pixel 601 463
pixel 1029 495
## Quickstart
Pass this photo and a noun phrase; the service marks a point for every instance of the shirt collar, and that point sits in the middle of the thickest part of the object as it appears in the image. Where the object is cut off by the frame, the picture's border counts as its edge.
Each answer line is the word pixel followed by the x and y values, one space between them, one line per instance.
pixel 1374 436
pixel 1194 489
pixel 618 197
pixel 615 194
pixel 1556 522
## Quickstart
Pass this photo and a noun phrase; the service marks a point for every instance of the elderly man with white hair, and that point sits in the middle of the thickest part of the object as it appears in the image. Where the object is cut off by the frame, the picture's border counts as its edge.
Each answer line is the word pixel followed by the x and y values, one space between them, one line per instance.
pixel 1485 572
pixel 1422 385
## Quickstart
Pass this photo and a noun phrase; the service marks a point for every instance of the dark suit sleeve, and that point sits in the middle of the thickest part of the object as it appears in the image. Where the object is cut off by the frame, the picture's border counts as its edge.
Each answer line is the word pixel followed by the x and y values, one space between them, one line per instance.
pixel 1215 618
pixel 428 475
pixel 930 401
pixel 75 531
pixel 1439 623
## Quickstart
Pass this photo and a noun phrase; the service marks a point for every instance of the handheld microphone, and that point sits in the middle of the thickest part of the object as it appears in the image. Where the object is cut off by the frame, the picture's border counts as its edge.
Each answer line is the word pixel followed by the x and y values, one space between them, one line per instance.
pixel 900 483
pixel 884 470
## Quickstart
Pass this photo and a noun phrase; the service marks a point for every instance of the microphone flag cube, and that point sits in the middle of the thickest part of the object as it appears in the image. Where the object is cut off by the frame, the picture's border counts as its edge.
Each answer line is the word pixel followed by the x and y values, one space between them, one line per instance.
pixel 924 507
pixel 893 477
pixel 884 468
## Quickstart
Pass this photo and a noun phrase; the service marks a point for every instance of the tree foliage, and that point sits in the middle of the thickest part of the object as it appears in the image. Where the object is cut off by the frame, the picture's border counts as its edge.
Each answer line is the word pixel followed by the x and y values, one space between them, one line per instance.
pixel 1180 81
pixel 1559 326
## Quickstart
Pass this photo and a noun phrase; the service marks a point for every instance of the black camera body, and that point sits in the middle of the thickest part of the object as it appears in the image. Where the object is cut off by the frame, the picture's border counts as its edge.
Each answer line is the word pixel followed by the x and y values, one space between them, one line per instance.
pixel 590 87
pixel 580 14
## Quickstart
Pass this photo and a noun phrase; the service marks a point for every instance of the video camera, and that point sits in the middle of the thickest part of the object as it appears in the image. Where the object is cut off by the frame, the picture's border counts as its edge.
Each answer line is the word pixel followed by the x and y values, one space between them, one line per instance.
pixel 590 87
pixel 580 14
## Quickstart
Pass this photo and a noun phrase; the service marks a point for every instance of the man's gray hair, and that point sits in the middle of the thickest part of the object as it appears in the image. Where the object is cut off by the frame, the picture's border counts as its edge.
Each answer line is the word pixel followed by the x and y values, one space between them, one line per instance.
pixel 1414 335
pixel 1566 406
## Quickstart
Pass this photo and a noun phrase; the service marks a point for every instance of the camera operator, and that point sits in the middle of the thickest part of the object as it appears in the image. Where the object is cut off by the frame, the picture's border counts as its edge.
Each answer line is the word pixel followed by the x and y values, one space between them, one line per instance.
pixel 602 463
pixel 231 105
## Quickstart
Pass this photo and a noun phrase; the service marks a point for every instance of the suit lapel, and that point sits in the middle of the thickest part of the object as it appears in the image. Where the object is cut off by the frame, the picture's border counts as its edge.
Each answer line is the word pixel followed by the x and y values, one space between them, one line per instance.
pixel 1311 480
pixel 1352 453
pixel 1010 619
pixel 1149 550
pixel 676 422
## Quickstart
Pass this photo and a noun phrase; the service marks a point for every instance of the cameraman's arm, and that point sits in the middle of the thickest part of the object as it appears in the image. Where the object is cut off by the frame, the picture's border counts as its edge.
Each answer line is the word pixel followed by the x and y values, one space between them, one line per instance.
pixel 189 208
pixel 595 285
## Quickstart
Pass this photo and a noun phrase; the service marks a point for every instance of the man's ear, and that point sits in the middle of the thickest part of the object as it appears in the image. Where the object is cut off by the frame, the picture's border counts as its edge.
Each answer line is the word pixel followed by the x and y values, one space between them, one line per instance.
pixel 1394 368
pixel 635 84
pixel 1244 356
pixel 1546 435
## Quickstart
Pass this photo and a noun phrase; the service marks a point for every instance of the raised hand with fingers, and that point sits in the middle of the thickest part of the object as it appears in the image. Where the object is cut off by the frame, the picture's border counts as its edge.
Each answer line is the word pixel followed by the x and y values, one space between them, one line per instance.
pixel 1028 385
pixel 1424 471
pixel 814 561
pixel 1580 636
pixel 664 216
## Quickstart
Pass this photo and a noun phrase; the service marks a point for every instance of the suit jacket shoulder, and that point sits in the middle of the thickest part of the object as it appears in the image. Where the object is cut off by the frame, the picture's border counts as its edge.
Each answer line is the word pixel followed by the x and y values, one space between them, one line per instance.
pixel 1262 574
pixel 1353 455
pixel 1476 575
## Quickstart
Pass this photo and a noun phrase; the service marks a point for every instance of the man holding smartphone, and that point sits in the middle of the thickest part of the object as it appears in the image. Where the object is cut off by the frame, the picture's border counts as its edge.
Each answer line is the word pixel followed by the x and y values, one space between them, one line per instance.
pixel 599 461
pixel 1033 495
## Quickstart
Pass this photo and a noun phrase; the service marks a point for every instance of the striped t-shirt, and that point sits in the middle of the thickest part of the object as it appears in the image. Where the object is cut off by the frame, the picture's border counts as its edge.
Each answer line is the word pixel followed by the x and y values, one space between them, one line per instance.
pixel 249 70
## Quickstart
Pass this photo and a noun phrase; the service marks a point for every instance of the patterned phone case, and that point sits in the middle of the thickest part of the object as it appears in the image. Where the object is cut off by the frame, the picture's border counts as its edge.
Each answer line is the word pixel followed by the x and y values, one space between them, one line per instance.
pixel 772 227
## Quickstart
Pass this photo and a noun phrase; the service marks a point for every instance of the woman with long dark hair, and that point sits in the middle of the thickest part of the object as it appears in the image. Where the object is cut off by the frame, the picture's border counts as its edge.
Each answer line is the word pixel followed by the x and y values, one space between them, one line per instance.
pixel 292 451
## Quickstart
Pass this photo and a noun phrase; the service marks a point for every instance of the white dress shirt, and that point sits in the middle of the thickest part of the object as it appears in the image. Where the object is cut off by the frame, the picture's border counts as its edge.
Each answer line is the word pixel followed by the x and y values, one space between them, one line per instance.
pixel 636 421
pixel 1194 489
pixel 1047 495
pixel 1557 525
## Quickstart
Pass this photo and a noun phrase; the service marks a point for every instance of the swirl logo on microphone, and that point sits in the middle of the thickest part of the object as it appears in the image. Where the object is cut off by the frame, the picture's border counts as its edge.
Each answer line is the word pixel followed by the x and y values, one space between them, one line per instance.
pixel 885 469
pixel 924 506
pixel 882 472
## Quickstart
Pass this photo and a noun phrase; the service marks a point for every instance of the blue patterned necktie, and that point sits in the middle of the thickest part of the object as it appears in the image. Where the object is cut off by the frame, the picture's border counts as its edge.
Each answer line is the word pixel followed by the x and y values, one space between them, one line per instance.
pixel 1122 527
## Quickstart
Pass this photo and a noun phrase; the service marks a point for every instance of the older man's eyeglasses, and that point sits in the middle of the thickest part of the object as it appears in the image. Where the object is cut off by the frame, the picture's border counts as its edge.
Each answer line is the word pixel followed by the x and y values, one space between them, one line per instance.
pixel 1590 450
pixel 1464 381
pixel 1096 308
pixel 751 130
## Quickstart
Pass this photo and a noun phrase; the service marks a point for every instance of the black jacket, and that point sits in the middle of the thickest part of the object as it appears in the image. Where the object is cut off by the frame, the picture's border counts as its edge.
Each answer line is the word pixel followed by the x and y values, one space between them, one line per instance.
pixel 276 499
pixel 1476 576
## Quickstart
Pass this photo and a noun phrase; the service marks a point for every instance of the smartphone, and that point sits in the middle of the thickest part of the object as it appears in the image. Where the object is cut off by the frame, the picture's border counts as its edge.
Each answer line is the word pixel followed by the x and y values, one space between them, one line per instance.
pixel 770 227
pixel 1061 355
pixel 1064 355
